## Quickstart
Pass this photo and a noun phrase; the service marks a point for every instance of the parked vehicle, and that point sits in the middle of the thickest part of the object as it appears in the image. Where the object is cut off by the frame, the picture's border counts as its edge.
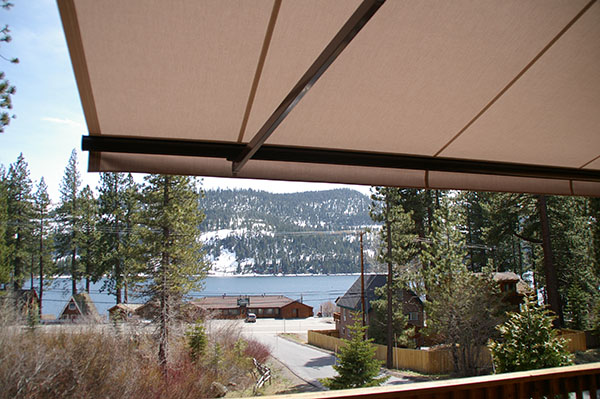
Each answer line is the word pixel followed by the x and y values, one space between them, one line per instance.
pixel 251 318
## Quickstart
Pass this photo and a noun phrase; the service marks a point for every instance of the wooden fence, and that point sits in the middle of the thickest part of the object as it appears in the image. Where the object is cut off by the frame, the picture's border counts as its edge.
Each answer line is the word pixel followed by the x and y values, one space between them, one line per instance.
pixel 575 340
pixel 424 361
pixel 429 361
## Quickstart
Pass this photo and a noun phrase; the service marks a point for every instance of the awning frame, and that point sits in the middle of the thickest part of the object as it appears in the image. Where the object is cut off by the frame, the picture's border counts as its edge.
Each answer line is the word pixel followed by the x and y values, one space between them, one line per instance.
pixel 266 152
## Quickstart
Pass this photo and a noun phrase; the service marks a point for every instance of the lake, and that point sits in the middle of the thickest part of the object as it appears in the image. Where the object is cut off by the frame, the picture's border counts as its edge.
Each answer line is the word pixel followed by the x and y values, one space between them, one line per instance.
pixel 312 290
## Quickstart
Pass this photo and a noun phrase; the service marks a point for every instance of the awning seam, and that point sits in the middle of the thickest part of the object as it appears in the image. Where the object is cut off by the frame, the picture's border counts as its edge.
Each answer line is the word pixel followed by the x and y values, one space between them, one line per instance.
pixel 518 76
pixel 259 67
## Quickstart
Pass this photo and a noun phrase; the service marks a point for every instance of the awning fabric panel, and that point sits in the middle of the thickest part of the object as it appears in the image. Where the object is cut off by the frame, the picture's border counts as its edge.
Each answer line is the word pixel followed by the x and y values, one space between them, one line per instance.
pixel 179 68
pixel 487 80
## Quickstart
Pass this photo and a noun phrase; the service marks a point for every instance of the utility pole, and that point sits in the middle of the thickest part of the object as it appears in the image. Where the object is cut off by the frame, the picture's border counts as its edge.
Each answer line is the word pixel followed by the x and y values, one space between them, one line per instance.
pixel 362 280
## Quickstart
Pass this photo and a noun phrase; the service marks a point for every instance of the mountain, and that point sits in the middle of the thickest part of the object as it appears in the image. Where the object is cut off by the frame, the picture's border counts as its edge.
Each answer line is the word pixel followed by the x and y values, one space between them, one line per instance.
pixel 247 231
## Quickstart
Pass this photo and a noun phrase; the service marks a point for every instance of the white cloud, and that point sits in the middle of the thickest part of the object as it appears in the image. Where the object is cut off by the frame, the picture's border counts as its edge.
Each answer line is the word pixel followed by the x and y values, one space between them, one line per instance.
pixel 65 121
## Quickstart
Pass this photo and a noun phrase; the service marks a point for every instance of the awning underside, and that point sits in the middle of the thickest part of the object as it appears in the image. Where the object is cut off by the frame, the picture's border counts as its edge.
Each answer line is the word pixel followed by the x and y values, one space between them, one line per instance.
pixel 477 95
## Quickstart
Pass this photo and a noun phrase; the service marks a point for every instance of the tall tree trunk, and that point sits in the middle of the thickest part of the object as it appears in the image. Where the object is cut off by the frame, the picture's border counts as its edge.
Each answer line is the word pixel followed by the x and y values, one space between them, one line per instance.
pixel 118 268
pixel 164 298
pixel 17 280
pixel 390 313
pixel 31 268
pixel 73 272
pixel 41 265
pixel 88 268
pixel 549 266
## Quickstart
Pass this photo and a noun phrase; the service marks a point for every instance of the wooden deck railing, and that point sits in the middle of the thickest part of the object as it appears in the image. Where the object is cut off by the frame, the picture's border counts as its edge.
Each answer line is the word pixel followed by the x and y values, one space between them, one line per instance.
pixel 560 382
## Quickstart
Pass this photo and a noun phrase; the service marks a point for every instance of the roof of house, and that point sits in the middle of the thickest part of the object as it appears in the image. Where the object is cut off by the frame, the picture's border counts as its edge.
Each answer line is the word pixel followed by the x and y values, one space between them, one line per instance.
pixel 255 301
pixel 352 298
pixel 505 276
pixel 510 277
pixel 126 306
pixel 84 304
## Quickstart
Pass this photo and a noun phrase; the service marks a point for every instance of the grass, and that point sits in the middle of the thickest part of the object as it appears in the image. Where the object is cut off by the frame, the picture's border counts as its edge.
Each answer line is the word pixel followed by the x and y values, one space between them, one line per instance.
pixel 292 337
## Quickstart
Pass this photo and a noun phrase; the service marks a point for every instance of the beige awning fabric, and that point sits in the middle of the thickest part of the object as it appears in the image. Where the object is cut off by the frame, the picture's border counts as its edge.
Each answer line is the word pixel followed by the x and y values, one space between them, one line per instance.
pixel 478 95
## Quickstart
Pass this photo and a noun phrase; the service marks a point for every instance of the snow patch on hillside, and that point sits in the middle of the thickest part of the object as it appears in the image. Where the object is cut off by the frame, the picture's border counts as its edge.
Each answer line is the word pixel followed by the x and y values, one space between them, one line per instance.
pixel 225 265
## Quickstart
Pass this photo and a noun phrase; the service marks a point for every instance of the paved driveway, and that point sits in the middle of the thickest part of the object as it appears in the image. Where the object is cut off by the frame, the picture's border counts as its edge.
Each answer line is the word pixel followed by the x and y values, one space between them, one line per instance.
pixel 304 361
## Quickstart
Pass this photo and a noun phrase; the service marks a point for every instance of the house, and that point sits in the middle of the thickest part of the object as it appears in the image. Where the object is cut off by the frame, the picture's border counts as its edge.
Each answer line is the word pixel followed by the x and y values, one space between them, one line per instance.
pixel 351 302
pixel 183 311
pixel 124 311
pixel 80 307
pixel 263 306
pixel 512 286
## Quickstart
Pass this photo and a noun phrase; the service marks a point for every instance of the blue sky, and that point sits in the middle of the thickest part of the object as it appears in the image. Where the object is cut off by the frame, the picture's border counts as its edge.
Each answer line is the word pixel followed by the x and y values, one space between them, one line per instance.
pixel 50 120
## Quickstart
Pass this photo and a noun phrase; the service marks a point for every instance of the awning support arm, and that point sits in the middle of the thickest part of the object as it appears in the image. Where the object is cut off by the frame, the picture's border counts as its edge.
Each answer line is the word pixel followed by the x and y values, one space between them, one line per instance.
pixel 355 23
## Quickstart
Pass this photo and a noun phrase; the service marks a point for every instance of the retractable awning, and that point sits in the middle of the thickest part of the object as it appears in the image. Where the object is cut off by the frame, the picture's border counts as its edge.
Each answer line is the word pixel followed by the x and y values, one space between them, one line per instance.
pixel 464 94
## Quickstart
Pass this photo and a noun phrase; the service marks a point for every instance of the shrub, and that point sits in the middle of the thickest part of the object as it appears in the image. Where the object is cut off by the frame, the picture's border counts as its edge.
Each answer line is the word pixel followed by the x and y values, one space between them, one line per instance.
pixel 357 366
pixel 78 361
pixel 196 341
pixel 528 341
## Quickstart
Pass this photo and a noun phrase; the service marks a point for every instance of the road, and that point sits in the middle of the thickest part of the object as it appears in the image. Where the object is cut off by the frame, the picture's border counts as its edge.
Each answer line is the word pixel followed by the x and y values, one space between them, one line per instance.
pixel 307 363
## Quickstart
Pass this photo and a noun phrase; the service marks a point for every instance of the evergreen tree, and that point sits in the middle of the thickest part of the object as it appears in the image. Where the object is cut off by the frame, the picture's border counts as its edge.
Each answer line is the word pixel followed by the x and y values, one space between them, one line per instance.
pixel 111 199
pixel 357 366
pixel 89 251
pixel 42 234
pixel 132 256
pixel 530 219
pixel 175 265
pixel 470 205
pixel 6 89
pixel 463 308
pixel 68 217
pixel 5 270
pixel 397 234
pixel 19 218
pixel 528 341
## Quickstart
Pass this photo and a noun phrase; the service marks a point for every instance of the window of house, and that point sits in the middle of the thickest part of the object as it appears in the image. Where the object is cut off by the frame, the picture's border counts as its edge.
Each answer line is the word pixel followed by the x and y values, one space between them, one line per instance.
pixel 260 311
pixel 413 316
pixel 277 311
pixel 270 311
pixel 71 306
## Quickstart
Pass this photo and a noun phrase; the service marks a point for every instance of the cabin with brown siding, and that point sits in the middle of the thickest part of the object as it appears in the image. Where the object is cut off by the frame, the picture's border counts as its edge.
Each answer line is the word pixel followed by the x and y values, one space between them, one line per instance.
pixel 263 306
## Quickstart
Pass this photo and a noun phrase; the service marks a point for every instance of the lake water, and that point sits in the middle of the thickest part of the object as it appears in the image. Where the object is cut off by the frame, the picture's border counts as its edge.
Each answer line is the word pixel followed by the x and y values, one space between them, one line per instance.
pixel 312 290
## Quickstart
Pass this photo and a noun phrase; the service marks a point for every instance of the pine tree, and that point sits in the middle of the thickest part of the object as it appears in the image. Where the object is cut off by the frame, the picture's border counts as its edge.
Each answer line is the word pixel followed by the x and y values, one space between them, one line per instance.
pixel 6 89
pixel 19 217
pixel 357 366
pixel 42 234
pixel 399 249
pixel 463 308
pixel 68 215
pixel 5 270
pixel 175 265
pixel 89 251
pixel 112 223
pixel 528 341
pixel 132 256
